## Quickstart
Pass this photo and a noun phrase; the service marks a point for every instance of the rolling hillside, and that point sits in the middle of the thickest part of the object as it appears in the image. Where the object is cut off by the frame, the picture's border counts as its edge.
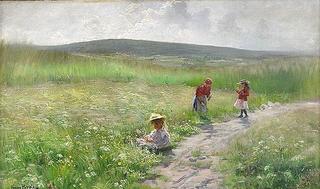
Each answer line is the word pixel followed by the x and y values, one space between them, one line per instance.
pixel 144 48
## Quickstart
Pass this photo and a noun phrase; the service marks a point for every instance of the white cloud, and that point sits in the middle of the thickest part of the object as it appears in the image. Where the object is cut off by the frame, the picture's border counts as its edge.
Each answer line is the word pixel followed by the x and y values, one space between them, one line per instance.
pixel 262 25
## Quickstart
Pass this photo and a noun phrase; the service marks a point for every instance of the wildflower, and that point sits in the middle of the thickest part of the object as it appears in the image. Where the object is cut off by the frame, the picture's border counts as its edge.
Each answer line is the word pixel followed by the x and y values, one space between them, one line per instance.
pixel 40 184
pixel 93 173
pixel 297 158
pixel 104 148
pixel 272 138
pixel 60 155
pixel 87 175
pixel 270 175
pixel 123 182
pixel 267 168
pixel 34 179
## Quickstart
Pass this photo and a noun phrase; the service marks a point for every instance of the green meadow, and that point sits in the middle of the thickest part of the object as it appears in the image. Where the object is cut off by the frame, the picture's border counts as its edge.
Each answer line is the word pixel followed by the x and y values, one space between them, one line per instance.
pixel 278 153
pixel 71 121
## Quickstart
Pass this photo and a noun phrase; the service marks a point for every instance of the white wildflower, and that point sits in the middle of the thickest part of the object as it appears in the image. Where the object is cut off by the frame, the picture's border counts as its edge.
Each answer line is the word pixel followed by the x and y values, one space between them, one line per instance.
pixel 272 138
pixel 104 148
pixel 297 158
pixel 267 168
pixel 88 175
pixel 93 173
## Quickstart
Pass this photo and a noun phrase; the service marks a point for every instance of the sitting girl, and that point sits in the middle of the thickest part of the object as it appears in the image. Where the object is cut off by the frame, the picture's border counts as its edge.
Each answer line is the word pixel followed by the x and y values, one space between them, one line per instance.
pixel 159 138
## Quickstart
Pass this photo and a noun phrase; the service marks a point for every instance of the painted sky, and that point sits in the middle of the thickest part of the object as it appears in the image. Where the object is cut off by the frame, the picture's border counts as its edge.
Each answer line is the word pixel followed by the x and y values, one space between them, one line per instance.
pixel 248 24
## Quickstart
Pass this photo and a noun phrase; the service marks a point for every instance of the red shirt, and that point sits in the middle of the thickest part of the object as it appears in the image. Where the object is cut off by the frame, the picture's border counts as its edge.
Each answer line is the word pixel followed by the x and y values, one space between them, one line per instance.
pixel 243 93
pixel 203 90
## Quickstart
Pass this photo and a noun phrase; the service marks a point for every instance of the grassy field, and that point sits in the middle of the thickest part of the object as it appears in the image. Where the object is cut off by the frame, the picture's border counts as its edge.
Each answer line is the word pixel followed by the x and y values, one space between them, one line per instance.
pixel 279 153
pixel 72 120
pixel 278 78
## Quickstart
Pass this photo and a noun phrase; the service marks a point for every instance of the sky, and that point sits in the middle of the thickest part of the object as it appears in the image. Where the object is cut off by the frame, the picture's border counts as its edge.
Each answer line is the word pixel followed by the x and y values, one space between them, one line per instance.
pixel 278 25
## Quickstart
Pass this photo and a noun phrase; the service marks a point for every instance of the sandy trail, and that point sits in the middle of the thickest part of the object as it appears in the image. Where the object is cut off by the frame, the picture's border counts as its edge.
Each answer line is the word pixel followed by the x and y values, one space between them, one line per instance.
pixel 194 163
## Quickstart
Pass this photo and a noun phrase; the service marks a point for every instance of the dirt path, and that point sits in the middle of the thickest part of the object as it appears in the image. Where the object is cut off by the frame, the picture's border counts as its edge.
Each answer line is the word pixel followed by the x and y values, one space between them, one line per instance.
pixel 194 162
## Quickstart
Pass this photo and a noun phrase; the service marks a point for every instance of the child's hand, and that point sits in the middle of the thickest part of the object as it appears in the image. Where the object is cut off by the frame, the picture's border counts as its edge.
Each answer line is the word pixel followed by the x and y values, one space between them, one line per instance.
pixel 148 139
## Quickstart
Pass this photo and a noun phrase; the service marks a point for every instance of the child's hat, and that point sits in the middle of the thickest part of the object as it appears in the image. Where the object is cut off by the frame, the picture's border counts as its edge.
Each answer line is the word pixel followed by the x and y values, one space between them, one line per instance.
pixel 243 81
pixel 155 116
pixel 208 81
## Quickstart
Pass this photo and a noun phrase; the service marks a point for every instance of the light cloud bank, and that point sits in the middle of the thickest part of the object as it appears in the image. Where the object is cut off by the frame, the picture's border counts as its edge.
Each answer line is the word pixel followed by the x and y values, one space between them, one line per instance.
pixel 260 25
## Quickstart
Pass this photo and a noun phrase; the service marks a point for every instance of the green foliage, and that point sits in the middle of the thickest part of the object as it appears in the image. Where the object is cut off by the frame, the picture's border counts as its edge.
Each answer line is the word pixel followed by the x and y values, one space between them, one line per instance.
pixel 277 154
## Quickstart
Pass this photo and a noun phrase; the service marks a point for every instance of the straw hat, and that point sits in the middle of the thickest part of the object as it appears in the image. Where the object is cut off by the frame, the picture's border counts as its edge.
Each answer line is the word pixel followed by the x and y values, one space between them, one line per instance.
pixel 155 116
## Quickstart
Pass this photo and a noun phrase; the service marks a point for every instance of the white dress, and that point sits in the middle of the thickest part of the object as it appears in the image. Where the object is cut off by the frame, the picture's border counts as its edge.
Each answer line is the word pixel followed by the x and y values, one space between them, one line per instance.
pixel 241 104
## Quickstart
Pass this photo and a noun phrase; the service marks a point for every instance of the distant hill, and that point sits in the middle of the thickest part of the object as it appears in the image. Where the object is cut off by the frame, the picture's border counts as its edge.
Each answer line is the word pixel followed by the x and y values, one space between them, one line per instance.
pixel 144 48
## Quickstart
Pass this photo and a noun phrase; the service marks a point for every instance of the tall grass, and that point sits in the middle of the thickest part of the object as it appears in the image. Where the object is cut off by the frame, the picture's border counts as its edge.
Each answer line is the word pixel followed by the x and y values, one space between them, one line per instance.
pixel 279 79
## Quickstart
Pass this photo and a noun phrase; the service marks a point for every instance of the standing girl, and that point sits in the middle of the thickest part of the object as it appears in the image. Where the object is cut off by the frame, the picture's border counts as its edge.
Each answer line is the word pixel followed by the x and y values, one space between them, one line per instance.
pixel 202 96
pixel 242 101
